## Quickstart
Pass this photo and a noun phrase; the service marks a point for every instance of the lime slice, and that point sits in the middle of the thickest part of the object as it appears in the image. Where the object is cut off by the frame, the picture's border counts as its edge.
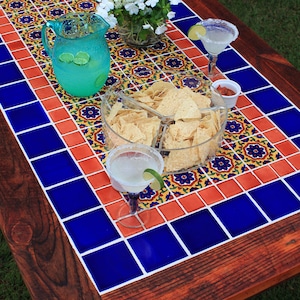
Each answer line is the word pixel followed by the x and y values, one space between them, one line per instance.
pixel 81 58
pixel 196 31
pixel 158 183
pixel 66 57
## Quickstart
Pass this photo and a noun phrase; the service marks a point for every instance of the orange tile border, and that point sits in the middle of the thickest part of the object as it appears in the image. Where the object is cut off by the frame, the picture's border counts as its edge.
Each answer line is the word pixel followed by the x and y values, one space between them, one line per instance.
pixel 113 209
pixel 201 61
pixel 265 174
pixel 27 63
pixel 295 161
pixel 247 181
pixel 153 218
pixel 31 72
pixel 108 195
pixel 274 135
pixel 175 34
pixel 286 148
pixel 91 165
pixel 229 188
pixel 126 232
pixel 66 126
pixel 263 124
pixel 183 43
pixel 9 37
pixel 99 180
pixel 193 52
pixel 282 167
pixel 38 82
pixel 82 151
pixel 171 210
pixel 16 45
pixel 211 195
pixel 73 139
pixel 45 92
pixel 191 202
pixel 243 101
pixel 22 53
pixel 7 28
pixel 59 114
pixel 52 103
pixel 251 112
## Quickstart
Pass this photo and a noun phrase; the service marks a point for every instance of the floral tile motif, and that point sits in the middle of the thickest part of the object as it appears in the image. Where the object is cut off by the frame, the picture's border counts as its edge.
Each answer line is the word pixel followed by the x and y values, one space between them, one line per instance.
pixel 55 11
pixel 95 138
pixel 149 198
pixel 184 183
pixel 25 18
pixel 238 127
pixel 87 113
pixel 16 5
pixel 226 164
pixel 256 151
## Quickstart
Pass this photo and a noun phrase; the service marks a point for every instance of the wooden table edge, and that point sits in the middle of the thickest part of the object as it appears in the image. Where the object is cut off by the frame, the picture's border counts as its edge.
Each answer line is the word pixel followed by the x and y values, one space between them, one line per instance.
pixel 51 269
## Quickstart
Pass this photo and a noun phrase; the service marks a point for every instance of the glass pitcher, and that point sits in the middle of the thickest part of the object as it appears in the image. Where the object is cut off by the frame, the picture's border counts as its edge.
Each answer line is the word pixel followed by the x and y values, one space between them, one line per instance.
pixel 80 54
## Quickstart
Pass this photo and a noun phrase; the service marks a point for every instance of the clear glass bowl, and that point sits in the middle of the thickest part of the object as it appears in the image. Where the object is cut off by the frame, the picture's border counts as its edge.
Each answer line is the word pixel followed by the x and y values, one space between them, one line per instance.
pixel 177 159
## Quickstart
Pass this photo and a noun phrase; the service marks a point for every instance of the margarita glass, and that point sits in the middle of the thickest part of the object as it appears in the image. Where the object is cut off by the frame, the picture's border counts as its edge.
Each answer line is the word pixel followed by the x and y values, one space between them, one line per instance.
pixel 126 166
pixel 217 36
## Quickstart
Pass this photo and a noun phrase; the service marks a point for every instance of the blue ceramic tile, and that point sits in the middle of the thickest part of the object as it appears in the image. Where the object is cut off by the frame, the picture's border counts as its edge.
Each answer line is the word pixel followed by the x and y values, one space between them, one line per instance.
pixel 72 198
pixel 294 182
pixel 15 94
pixel 91 230
pixel 230 60
pixel 275 199
pixel 185 24
pixel 41 141
pixel 239 215
pixel 111 266
pixel 4 54
pixel 288 121
pixel 181 11
pixel 297 141
pixel 199 231
pixel 27 116
pixel 56 168
pixel 268 100
pixel 9 73
pixel 157 248
pixel 248 79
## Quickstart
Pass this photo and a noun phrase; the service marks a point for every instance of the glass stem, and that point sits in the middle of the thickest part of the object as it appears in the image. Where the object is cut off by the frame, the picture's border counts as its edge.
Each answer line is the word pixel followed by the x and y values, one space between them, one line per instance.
pixel 212 64
pixel 133 203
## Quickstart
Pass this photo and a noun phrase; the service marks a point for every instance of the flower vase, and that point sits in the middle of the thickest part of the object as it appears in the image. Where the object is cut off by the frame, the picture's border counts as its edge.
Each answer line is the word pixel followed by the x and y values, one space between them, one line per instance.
pixel 138 37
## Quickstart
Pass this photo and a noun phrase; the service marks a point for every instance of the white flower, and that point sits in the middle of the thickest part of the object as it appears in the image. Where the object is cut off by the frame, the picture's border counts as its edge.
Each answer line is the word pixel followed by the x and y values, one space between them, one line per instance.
pixel 132 8
pixel 151 3
pixel 147 26
pixel 111 20
pixel 161 29
pixel 171 15
pixel 174 2
pixel 101 12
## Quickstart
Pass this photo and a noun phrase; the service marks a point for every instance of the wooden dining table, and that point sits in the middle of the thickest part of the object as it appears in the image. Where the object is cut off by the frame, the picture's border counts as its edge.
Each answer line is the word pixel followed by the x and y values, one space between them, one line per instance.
pixel 237 269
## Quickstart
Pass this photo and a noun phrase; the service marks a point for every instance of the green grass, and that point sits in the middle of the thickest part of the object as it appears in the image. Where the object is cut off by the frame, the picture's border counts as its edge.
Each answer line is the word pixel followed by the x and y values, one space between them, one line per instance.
pixel 277 22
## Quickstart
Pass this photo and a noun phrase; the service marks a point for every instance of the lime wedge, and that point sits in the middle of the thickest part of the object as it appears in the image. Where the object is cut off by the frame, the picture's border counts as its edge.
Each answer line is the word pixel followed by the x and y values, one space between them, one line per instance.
pixel 66 57
pixel 81 58
pixel 196 31
pixel 158 183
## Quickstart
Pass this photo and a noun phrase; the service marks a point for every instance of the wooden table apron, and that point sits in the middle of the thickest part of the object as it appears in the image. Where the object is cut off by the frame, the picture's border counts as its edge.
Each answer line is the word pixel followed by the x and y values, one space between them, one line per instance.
pixel 236 270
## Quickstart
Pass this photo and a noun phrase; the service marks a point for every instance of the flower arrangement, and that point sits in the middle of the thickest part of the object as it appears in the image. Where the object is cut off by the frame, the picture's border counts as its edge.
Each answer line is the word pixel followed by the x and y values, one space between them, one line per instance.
pixel 142 18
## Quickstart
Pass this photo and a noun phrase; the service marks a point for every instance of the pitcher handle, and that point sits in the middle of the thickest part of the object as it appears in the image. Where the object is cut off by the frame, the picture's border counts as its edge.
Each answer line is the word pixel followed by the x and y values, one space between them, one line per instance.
pixel 45 40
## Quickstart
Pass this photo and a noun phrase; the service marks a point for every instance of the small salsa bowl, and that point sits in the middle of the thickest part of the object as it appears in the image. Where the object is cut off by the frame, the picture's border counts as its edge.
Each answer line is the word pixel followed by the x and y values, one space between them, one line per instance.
pixel 223 86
